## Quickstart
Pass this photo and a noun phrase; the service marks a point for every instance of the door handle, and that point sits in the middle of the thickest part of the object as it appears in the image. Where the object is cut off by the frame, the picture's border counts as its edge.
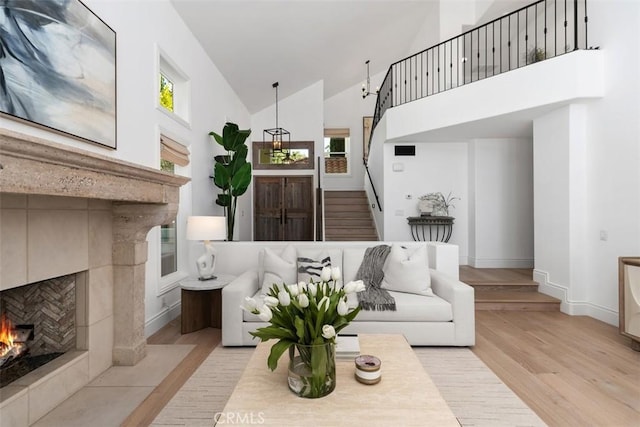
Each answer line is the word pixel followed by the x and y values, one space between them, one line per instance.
pixel 285 216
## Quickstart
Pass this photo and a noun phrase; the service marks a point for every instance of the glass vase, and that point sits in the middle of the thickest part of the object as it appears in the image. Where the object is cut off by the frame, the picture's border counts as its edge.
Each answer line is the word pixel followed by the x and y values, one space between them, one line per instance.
pixel 312 369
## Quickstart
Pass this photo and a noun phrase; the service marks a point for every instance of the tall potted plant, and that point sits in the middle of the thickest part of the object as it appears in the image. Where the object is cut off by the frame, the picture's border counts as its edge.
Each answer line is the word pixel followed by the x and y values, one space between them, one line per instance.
pixel 232 172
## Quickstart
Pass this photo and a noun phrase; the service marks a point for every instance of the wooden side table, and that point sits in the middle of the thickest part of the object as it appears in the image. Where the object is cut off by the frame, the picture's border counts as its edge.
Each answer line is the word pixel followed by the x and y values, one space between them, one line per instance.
pixel 202 302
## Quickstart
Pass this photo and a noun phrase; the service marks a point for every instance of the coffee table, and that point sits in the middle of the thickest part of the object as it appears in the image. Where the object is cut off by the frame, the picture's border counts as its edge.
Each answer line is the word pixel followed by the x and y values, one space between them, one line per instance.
pixel 406 395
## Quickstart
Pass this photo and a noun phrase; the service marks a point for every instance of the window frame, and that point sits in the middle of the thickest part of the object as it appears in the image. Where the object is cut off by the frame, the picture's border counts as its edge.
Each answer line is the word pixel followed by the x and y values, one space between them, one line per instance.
pixel 337 133
pixel 181 89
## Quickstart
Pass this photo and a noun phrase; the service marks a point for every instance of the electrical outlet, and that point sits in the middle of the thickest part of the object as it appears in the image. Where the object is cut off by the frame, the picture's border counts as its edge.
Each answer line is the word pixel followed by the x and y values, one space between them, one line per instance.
pixel 604 236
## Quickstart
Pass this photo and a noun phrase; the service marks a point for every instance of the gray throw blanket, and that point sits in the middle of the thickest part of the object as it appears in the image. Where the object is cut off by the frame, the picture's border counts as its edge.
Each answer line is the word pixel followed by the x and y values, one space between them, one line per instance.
pixel 370 272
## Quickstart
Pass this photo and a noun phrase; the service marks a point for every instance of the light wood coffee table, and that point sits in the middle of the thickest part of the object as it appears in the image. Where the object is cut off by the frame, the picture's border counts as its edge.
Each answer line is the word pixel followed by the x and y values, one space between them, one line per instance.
pixel 406 395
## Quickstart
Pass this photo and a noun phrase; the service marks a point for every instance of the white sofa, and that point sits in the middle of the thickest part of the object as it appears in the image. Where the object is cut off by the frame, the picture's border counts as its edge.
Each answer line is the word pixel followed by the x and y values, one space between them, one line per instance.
pixel 446 319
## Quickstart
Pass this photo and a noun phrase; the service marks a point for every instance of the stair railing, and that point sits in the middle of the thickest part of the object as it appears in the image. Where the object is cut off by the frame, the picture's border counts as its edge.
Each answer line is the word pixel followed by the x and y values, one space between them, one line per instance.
pixel 373 187
pixel 533 33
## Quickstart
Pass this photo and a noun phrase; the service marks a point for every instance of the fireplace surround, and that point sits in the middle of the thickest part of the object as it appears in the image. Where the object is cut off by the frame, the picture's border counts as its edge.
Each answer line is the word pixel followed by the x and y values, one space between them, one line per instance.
pixel 65 210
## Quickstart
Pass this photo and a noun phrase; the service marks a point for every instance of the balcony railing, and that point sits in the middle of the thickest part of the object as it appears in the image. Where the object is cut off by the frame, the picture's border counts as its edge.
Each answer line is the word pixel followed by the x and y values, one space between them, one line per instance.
pixel 542 30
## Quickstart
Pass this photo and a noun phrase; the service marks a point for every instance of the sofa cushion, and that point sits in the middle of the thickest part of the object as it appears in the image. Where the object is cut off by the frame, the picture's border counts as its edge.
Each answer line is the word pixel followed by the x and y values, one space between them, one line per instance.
pixel 278 268
pixel 335 259
pixel 407 270
pixel 309 269
pixel 409 308
pixel 352 258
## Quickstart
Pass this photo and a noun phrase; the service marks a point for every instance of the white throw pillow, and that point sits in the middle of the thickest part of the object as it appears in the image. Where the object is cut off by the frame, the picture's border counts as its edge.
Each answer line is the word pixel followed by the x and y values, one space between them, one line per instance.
pixel 309 268
pixel 407 270
pixel 279 268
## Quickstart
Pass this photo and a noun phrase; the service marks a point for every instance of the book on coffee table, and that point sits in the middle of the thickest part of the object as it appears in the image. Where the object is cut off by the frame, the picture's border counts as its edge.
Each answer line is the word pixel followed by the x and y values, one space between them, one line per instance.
pixel 347 346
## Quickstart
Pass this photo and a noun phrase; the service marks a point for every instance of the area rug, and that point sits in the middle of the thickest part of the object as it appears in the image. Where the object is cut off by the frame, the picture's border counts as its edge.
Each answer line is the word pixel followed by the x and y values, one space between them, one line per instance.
pixel 476 396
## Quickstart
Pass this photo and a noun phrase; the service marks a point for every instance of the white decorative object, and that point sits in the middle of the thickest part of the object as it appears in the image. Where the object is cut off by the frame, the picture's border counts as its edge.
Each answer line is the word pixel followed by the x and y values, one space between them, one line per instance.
pixel 425 207
pixel 206 228
pixel 439 204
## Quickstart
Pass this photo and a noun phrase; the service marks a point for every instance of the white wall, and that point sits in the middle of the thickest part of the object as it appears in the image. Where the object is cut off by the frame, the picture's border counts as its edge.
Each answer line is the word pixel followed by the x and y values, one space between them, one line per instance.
pixel 346 110
pixel 501 203
pixel 589 156
pixel 436 167
pixel 140 31
pixel 301 114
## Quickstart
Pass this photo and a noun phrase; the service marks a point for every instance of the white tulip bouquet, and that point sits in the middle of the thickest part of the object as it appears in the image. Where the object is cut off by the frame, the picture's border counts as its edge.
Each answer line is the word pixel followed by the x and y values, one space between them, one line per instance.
pixel 306 314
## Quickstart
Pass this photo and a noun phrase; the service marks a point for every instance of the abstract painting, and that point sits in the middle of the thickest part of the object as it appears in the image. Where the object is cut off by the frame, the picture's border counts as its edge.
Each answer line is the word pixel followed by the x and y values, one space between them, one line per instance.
pixel 58 68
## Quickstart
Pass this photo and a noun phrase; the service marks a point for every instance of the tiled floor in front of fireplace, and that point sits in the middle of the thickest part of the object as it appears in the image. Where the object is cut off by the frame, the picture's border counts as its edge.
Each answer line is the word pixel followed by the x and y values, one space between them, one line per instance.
pixel 110 398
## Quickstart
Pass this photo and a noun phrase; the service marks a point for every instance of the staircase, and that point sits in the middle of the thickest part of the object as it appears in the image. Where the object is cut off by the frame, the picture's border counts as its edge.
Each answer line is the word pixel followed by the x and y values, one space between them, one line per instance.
pixel 506 289
pixel 347 217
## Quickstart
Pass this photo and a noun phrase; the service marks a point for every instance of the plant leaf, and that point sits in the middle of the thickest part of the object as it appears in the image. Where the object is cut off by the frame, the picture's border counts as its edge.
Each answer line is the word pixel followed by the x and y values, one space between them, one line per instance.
pixel 276 351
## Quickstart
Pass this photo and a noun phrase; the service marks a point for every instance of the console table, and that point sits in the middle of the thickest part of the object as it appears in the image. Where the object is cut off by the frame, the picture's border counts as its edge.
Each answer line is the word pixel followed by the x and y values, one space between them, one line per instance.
pixel 431 228
pixel 202 303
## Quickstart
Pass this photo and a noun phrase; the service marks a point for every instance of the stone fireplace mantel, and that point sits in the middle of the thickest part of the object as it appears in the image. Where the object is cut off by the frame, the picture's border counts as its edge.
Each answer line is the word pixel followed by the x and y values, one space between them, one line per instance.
pixel 139 198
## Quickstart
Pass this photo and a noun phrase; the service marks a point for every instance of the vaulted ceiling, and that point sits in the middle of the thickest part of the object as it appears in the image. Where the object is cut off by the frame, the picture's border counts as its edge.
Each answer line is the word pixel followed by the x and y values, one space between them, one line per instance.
pixel 299 42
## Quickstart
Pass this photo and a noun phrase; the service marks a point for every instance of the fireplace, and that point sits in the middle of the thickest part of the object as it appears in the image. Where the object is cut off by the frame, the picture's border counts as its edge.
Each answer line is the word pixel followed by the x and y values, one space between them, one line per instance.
pixel 66 211
pixel 38 324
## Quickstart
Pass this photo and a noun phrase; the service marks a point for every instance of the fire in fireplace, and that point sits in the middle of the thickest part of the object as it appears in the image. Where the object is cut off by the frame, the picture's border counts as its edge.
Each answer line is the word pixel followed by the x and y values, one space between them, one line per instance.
pixel 15 360
pixel 12 341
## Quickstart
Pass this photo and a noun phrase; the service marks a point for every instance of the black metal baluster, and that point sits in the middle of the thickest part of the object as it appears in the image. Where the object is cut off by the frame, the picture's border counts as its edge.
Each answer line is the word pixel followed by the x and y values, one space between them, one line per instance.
pixel 451 62
pixel 545 29
pixel 486 56
pixel 526 36
pixel 433 86
pixel 438 69
pixel 536 29
pixel 459 60
pixel 565 26
pixel 493 49
pixel 478 76
pixel 444 62
pixel 501 25
pixel 518 41
pixel 471 55
pixel 586 24
pixel 427 71
pixel 575 24
pixel 509 42
pixel 464 59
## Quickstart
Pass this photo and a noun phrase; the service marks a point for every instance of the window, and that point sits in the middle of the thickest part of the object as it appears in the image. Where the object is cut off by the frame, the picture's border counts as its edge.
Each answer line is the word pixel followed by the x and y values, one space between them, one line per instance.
pixel 166 92
pixel 174 90
pixel 172 154
pixel 336 151
pixel 168 240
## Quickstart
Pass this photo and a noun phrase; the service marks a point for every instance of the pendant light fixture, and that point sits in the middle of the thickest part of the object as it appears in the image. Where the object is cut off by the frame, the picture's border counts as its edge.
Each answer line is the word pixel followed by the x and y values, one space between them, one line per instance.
pixel 280 138
pixel 366 87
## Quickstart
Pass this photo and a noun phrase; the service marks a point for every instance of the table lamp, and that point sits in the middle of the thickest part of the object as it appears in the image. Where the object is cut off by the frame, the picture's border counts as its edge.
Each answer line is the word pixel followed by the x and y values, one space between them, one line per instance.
pixel 206 228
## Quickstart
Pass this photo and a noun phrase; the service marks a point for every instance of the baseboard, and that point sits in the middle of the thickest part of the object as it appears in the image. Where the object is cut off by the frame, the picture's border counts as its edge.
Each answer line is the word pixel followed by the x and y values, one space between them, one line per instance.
pixel 166 315
pixel 500 263
pixel 573 308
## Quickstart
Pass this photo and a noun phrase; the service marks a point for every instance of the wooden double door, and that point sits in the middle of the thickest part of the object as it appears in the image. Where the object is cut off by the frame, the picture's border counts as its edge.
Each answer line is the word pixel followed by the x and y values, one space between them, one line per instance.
pixel 283 208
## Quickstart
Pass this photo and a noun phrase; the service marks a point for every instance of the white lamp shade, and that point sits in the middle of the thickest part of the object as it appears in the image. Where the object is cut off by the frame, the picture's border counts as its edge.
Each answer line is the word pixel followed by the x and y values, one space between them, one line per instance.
pixel 206 228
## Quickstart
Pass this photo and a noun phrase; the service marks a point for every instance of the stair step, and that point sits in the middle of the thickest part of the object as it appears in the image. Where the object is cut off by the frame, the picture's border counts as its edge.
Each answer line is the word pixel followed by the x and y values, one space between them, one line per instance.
pixel 347 194
pixel 524 286
pixel 348 222
pixel 515 301
pixel 351 238
pixel 346 208
pixel 347 215
pixel 341 201
pixel 351 231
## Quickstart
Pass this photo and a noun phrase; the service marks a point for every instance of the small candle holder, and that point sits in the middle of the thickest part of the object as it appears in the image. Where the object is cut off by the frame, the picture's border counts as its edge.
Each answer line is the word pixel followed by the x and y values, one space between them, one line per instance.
pixel 368 369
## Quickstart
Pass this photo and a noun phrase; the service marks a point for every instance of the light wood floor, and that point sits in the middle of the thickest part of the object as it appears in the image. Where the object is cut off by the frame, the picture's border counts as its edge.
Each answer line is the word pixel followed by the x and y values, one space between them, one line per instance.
pixel 571 370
